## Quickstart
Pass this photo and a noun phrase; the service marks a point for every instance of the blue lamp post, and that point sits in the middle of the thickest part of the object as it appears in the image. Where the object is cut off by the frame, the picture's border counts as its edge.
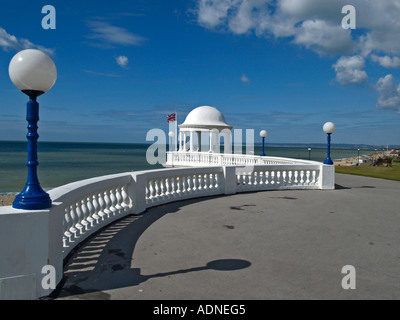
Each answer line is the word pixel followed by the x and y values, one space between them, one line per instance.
pixel 329 128
pixel 34 73
pixel 263 135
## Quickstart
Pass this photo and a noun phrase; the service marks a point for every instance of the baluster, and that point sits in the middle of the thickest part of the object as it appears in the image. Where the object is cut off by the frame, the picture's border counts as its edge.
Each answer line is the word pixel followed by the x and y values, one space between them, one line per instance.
pixel 107 203
pixel 194 183
pixel 179 190
pixel 255 178
pixel 74 221
pixel 95 209
pixel 284 178
pixel 118 196
pixel 249 179
pixel 113 202
pixel 156 189
pixel 217 181
pixel 161 183
pixel 149 194
pixel 200 179
pixel 206 182
pixel 272 177
pixel 302 177
pixel 125 198
pixel 261 178
pixel 102 206
pixel 308 181
pixel 313 176
pixel 189 184
pixel 168 187
pixel 240 180
pixel 85 221
pixel 152 190
pixel 289 178
pixel 87 205
pixel 174 186
pixel 316 177
pixel 67 225
pixel 279 177
pixel 80 225
pixel 296 176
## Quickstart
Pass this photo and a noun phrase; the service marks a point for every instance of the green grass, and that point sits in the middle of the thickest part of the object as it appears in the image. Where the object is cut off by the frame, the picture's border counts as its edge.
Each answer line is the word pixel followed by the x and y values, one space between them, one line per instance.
pixel 390 173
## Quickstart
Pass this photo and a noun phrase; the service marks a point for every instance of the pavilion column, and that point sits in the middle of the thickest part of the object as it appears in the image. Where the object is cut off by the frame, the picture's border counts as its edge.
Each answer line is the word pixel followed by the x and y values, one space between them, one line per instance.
pixel 191 142
pixel 211 141
pixel 227 143
pixel 180 141
pixel 181 148
pixel 217 146
pixel 184 142
pixel 199 141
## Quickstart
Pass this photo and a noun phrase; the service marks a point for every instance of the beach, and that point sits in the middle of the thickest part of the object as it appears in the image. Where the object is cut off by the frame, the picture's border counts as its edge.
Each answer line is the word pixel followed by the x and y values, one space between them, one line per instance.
pixel 6 200
pixel 354 161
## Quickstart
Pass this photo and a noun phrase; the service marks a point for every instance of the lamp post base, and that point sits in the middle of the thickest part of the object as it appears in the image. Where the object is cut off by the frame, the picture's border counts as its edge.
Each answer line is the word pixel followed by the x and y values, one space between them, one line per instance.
pixel 263 154
pixel 32 198
pixel 328 161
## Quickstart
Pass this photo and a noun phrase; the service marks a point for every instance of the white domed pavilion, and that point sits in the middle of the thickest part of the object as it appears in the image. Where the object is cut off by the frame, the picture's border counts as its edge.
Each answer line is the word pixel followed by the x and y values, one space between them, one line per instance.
pixel 205 120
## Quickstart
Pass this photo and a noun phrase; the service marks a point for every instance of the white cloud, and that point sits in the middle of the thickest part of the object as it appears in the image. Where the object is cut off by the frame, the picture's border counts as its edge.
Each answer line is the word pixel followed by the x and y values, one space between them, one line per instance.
pixel 211 13
pixel 291 18
pixel 122 61
pixel 245 79
pixel 349 70
pixel 389 93
pixel 386 61
pixel 324 38
pixel 10 42
pixel 316 25
pixel 107 35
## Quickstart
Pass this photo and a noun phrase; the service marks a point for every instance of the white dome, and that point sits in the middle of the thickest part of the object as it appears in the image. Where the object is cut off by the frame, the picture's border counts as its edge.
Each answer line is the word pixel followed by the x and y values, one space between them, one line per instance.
pixel 205 117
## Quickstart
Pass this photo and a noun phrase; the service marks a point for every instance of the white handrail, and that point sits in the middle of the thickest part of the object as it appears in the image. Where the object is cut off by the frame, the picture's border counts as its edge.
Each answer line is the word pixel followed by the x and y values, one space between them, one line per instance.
pixel 181 158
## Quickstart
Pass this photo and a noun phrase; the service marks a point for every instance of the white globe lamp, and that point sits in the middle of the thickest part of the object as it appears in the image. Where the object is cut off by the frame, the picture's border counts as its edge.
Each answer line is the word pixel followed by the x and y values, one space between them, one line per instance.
pixel 34 73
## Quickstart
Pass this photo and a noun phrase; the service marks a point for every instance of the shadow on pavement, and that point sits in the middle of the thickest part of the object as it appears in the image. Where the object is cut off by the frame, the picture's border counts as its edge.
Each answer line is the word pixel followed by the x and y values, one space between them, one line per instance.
pixel 104 261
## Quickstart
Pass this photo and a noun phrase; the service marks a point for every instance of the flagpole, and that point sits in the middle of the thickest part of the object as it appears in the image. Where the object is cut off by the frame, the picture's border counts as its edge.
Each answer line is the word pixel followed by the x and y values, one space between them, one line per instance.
pixel 176 132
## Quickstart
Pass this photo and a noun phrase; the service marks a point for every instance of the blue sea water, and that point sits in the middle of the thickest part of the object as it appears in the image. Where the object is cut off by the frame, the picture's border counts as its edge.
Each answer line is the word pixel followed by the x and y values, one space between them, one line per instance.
pixel 63 162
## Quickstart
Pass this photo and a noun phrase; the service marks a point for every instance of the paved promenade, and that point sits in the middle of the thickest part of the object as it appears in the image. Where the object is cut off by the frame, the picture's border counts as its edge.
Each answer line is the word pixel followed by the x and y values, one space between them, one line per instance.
pixel 265 245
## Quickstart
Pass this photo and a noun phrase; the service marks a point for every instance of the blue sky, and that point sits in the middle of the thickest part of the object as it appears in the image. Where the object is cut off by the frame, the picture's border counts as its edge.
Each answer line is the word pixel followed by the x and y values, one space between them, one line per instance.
pixel 286 66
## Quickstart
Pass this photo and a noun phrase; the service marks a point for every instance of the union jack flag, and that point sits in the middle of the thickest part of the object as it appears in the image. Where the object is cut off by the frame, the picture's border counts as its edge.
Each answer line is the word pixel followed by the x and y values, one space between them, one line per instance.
pixel 171 117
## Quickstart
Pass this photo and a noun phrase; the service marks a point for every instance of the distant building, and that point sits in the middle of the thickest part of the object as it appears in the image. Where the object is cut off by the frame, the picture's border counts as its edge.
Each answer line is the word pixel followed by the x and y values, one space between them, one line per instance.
pixel 395 153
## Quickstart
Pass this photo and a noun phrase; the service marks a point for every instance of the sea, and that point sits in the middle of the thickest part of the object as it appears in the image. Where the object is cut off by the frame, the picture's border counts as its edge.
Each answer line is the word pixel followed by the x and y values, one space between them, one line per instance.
pixel 61 163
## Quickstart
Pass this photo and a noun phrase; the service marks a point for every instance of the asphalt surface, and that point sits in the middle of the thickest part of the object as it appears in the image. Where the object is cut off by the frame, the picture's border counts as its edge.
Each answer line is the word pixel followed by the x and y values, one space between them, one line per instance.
pixel 264 245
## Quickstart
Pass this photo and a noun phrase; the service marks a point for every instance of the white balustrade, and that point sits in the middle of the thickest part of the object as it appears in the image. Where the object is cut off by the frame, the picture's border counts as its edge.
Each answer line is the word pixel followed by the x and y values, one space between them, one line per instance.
pixel 84 207
pixel 190 159
pixel 279 177
pixel 92 204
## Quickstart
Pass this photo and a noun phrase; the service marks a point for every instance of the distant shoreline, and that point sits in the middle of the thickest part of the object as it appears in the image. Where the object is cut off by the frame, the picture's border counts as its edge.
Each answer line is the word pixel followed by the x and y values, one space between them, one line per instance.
pixel 283 145
pixel 351 161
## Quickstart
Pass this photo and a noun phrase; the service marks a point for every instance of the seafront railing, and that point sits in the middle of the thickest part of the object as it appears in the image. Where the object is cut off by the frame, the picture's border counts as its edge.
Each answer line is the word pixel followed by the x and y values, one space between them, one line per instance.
pixel 31 240
pixel 180 158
